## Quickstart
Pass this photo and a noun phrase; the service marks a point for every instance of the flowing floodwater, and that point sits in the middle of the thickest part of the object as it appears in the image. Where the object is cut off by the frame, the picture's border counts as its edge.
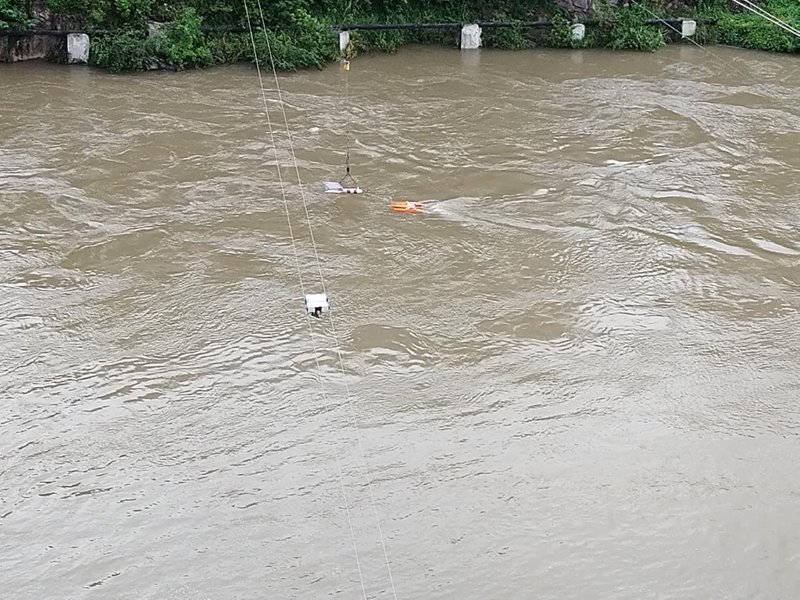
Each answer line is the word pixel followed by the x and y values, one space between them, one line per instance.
pixel 574 376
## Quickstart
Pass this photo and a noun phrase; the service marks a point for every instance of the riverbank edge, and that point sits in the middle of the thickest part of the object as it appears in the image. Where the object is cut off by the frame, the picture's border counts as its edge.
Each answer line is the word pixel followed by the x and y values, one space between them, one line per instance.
pixel 185 43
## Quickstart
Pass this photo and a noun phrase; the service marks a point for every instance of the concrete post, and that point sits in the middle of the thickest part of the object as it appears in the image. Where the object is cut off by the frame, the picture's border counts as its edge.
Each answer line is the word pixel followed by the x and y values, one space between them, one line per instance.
pixel 77 48
pixel 688 28
pixel 344 40
pixel 471 37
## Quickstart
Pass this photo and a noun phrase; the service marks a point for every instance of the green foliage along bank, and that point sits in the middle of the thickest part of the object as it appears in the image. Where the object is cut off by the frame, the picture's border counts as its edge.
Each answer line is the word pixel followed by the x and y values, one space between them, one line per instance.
pixel 14 15
pixel 746 30
pixel 140 34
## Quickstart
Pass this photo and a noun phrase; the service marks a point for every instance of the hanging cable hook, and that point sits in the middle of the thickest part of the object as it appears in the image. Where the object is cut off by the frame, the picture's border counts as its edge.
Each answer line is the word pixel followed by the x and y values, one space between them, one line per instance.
pixel 346 68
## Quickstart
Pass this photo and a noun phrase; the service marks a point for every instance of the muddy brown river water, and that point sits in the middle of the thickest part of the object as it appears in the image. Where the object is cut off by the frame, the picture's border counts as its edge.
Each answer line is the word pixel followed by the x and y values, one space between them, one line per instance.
pixel 574 376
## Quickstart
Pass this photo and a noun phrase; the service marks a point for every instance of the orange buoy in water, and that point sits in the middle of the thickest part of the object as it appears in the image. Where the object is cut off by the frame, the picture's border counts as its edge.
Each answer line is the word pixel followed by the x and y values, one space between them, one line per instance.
pixel 406 207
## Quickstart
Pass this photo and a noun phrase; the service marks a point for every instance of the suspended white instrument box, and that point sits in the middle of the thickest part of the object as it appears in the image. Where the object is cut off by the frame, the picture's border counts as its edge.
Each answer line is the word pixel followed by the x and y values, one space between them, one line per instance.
pixel 317 304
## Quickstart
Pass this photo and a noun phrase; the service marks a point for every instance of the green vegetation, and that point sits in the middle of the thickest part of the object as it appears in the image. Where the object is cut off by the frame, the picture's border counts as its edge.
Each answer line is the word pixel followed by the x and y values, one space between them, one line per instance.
pixel 182 43
pixel 124 51
pixel 14 14
pixel 199 33
pixel 623 28
pixel 747 30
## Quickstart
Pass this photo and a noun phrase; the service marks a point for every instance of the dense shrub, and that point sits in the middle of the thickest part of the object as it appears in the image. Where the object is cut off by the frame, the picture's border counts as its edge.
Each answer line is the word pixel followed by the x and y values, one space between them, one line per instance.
pixel 119 52
pixel 14 14
pixel 182 43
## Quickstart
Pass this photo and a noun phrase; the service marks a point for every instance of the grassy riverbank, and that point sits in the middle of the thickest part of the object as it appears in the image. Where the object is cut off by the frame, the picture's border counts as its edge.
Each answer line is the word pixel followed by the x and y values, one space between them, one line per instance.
pixel 302 33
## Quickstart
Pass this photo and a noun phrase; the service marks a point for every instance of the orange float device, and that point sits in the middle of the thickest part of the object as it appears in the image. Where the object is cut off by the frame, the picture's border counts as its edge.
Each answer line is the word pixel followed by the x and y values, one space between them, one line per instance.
pixel 406 207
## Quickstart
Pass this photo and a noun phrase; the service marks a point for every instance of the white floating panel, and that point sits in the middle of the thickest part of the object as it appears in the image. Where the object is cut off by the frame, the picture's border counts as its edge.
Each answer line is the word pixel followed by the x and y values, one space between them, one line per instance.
pixel 333 187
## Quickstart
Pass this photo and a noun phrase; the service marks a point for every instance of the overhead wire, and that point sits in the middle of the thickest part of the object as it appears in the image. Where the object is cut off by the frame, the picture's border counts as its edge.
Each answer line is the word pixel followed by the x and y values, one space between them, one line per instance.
pixel 675 29
pixel 348 120
pixel 336 344
pixel 754 8
pixel 323 391
pixel 346 103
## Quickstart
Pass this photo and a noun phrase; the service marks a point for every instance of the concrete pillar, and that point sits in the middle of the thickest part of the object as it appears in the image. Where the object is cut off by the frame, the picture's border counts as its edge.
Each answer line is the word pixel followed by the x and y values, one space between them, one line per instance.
pixel 688 28
pixel 470 37
pixel 578 31
pixel 344 40
pixel 77 48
